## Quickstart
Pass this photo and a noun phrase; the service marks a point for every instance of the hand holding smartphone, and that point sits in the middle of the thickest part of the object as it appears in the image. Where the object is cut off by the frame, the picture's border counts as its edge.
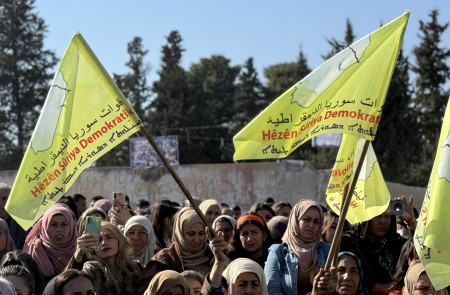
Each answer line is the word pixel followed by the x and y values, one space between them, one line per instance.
pixel 93 226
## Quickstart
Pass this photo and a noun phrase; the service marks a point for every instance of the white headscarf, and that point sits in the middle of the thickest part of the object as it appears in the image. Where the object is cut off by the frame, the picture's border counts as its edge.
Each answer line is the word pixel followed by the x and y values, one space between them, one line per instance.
pixel 147 253
pixel 242 265
pixel 6 288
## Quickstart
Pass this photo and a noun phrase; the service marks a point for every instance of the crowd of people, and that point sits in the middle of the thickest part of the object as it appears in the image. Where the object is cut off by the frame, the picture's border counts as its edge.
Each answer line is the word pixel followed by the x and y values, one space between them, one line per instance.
pixel 166 249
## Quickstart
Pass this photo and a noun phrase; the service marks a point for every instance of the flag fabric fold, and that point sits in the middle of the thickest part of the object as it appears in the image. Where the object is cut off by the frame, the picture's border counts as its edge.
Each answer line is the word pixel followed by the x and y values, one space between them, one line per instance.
pixel 371 196
pixel 84 116
pixel 344 95
pixel 432 235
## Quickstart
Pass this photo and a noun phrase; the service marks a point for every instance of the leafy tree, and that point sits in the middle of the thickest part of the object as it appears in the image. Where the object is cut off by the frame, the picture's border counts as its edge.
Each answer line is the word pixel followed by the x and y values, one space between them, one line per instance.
pixel 26 69
pixel 396 130
pixel 134 87
pixel 430 98
pixel 212 89
pixel 338 46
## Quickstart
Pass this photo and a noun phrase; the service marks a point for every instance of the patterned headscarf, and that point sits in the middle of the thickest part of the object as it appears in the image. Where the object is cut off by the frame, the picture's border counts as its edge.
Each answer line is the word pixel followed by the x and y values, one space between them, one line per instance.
pixel 306 251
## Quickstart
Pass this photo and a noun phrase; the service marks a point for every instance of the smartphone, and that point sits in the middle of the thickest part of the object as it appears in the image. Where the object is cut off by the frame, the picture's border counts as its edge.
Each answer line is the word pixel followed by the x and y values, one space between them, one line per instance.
pixel 93 225
pixel 397 207
pixel 118 199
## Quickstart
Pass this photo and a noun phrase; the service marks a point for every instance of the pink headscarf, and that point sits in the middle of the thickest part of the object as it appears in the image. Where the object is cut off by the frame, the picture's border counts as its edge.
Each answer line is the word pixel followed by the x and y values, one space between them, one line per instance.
pixel 103 202
pixel 51 258
pixel 305 251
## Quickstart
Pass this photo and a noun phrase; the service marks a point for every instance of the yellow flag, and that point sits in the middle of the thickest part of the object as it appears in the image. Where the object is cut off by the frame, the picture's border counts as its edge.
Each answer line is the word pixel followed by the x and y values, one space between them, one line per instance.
pixel 371 196
pixel 84 116
pixel 432 235
pixel 344 95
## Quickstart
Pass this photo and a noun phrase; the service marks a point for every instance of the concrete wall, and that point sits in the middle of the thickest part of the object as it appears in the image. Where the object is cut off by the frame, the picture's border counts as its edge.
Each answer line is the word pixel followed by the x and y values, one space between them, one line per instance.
pixel 235 183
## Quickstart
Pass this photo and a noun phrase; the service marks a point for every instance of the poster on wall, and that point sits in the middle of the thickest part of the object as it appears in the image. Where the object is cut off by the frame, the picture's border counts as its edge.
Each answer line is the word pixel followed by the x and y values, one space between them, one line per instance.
pixel 142 154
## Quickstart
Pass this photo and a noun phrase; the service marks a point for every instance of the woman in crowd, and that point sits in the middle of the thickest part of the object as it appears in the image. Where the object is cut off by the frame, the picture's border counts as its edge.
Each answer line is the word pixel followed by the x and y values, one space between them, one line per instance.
pixel 407 257
pixel 282 208
pixel 225 225
pixel 21 279
pixel 6 288
pixel 417 281
pixel 104 204
pixel 53 240
pixel 251 239
pixel 211 209
pixel 349 275
pixel 194 280
pixel 188 251
pixel 162 221
pixel 139 231
pixel 377 244
pixel 92 211
pixel 24 259
pixel 292 266
pixel 108 262
pixel 70 282
pixel 6 241
pixel 264 210
pixel 167 282
pixel 277 227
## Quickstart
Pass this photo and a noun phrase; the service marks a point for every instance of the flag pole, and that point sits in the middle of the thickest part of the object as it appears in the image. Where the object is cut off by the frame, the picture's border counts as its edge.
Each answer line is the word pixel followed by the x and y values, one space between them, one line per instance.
pixel 177 179
pixel 344 209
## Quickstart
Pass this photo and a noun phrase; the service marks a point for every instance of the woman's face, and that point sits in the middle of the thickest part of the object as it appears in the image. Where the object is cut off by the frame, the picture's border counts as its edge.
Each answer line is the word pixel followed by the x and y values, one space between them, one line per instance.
pixel 19 285
pixel 212 213
pixel 195 287
pixel 285 211
pixel 265 214
pixel 58 229
pixel 195 236
pixel 310 224
pixel 252 238
pixel 348 276
pixel 247 283
pixel 78 286
pixel 138 236
pixel 108 245
pixel 226 229
pixel 329 233
pixel 175 290
pixel 379 226
pixel 425 287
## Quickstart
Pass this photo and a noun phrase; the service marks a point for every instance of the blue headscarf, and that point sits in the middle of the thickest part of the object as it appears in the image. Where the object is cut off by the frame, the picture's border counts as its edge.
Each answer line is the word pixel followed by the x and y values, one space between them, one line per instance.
pixel 361 290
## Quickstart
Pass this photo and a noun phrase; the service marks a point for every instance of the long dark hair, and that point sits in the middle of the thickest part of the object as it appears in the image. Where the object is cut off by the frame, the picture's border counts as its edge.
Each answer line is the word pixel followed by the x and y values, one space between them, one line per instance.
pixel 159 213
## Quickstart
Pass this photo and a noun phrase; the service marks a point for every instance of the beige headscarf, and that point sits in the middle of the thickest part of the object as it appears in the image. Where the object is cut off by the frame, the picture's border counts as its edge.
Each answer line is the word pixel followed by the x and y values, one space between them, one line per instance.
pixel 306 251
pixel 148 251
pixel 204 206
pixel 242 265
pixel 165 280
pixel 192 259
pixel 412 276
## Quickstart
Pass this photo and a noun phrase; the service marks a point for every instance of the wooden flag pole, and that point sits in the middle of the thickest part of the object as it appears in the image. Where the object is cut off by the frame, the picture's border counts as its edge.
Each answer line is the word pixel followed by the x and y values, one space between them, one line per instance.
pixel 335 257
pixel 177 179
pixel 344 208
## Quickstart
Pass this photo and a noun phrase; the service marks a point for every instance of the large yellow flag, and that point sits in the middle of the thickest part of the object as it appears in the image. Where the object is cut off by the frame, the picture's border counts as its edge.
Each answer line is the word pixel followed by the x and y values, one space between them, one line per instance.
pixel 432 235
pixel 344 95
pixel 371 196
pixel 84 116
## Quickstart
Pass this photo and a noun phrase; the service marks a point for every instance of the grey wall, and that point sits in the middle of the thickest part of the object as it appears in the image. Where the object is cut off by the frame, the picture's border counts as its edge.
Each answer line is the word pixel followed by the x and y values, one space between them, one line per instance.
pixel 236 183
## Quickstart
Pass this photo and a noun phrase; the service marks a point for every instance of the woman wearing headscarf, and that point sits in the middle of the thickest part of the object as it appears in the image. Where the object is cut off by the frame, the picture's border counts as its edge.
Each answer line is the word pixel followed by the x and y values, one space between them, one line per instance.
pixel 139 231
pixel 350 275
pixel 292 266
pixel 211 209
pixel 104 204
pixel 53 240
pixel 6 288
pixel 225 225
pixel 378 245
pixel 188 250
pixel 417 281
pixel 6 241
pixel 167 282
